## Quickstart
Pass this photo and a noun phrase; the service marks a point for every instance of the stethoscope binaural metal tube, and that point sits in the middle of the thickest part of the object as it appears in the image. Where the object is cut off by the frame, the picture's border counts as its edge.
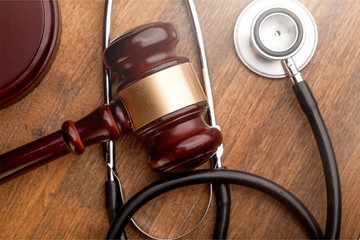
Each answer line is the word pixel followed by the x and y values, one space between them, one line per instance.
pixel 221 190
pixel 112 185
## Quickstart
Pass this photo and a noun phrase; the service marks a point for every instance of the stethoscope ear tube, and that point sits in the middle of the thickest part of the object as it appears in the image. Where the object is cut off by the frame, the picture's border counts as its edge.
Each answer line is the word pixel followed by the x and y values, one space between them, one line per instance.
pixel 312 112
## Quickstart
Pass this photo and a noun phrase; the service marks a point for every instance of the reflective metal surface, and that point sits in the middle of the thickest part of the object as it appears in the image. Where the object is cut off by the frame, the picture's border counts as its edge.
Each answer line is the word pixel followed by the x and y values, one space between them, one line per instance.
pixel 282 26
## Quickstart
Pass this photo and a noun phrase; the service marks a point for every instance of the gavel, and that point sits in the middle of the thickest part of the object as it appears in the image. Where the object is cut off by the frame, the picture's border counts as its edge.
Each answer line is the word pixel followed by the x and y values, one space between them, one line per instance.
pixel 160 99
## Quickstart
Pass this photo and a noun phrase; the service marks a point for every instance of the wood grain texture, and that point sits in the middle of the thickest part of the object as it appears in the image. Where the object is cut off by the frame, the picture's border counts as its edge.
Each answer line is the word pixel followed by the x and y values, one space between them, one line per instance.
pixel 264 129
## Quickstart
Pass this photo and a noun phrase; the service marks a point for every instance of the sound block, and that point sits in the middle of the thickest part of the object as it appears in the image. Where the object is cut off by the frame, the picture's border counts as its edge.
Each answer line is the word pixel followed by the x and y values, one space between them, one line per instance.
pixel 28 37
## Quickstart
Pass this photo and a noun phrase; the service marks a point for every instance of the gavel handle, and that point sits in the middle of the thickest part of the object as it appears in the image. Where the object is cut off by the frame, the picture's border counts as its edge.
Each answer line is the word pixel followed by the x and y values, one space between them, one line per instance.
pixel 103 124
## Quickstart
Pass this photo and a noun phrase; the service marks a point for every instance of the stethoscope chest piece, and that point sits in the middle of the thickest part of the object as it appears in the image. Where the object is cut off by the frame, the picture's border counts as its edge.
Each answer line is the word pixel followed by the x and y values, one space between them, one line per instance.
pixel 268 31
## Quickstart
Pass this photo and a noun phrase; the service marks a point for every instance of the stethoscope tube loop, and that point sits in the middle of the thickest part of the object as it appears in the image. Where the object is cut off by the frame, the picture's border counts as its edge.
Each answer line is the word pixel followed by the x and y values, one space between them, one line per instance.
pixel 218 176
pixel 221 176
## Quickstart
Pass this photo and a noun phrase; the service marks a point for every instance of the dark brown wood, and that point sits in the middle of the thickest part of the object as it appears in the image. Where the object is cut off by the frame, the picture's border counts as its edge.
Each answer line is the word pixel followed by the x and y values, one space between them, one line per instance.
pixel 139 53
pixel 28 40
pixel 104 124
pixel 143 51
pixel 177 142
pixel 185 144
pixel 264 130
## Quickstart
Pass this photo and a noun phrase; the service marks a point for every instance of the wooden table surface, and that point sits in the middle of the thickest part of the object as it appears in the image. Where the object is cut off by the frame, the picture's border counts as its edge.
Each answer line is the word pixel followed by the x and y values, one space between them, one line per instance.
pixel 264 130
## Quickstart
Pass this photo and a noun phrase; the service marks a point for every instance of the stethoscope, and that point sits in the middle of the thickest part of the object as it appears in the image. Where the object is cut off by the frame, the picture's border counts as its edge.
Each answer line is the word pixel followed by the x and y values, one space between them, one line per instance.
pixel 274 39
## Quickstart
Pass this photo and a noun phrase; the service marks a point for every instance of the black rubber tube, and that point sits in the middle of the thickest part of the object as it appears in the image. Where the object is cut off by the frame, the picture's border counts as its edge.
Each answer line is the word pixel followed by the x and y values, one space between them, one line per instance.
pixel 332 180
pixel 223 207
pixel 112 199
pixel 113 202
pixel 214 176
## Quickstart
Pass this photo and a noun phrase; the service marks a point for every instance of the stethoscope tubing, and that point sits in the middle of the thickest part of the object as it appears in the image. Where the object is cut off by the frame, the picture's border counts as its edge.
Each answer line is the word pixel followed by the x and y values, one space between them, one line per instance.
pixel 223 208
pixel 218 176
pixel 222 176
pixel 333 192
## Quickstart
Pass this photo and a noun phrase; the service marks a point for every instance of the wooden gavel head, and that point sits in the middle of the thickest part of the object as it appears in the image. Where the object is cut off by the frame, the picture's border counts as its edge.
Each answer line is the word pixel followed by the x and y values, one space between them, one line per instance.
pixel 163 98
